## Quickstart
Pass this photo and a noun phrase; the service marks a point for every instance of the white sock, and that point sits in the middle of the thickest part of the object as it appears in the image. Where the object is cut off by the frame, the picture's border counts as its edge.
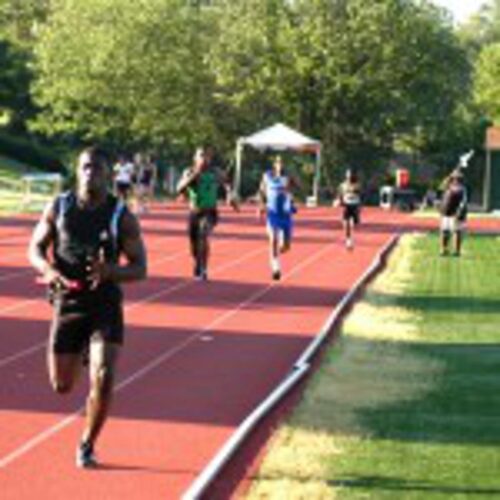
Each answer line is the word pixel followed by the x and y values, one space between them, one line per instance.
pixel 275 264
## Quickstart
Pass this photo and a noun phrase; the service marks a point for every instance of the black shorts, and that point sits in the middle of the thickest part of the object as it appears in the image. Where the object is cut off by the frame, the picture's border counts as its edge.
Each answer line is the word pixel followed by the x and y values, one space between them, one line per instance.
pixel 202 223
pixel 123 187
pixel 351 212
pixel 79 318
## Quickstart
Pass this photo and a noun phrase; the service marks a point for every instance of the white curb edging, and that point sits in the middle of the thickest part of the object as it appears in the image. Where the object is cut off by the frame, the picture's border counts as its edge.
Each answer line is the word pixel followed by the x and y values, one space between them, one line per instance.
pixel 299 369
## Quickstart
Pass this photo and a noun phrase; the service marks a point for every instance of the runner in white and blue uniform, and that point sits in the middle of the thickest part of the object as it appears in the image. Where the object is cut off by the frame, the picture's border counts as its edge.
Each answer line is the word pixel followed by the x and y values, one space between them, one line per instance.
pixel 276 198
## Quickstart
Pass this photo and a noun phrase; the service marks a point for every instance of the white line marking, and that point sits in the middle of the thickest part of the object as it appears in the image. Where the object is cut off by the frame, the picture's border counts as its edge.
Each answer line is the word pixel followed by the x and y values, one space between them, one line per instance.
pixel 19 305
pixel 17 274
pixel 43 436
pixel 21 354
pixel 149 298
pixel 299 369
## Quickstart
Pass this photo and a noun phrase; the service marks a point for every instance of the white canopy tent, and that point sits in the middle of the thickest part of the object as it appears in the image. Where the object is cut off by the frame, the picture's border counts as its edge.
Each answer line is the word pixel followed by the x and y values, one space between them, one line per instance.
pixel 280 138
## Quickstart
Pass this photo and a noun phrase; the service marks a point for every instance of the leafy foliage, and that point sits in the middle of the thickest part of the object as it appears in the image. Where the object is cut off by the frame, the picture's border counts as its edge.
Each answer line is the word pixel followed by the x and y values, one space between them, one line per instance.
pixel 364 77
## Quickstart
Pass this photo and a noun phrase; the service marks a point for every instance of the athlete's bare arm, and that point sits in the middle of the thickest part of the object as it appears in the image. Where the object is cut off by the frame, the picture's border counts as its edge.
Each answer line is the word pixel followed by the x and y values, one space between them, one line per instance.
pixel 41 241
pixel 188 177
pixel 261 197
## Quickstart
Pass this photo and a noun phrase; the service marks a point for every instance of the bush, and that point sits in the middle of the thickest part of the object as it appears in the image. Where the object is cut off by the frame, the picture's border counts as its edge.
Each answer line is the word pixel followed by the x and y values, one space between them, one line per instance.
pixel 30 151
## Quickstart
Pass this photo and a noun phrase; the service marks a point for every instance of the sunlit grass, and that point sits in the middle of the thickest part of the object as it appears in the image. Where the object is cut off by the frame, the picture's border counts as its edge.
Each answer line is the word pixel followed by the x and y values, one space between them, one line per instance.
pixel 406 403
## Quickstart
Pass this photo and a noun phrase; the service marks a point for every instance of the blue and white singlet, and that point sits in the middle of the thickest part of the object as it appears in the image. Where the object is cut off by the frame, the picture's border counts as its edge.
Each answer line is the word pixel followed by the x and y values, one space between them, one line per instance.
pixel 278 199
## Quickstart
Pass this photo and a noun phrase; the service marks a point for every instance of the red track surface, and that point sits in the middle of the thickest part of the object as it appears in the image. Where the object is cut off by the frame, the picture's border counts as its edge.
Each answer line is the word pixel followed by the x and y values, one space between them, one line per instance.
pixel 198 356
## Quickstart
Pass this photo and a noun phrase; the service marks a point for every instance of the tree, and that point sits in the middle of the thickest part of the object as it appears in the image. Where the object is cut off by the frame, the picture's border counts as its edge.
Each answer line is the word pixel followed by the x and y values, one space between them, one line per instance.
pixel 487 83
pixel 125 71
pixel 355 73
pixel 20 20
pixel 15 78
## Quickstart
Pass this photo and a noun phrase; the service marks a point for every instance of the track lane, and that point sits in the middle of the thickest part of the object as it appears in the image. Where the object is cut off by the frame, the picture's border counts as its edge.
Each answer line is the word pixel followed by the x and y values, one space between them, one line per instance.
pixel 175 416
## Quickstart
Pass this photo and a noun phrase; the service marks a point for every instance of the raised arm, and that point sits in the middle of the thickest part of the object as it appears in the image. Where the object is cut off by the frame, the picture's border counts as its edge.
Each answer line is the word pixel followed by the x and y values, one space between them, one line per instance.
pixel 188 177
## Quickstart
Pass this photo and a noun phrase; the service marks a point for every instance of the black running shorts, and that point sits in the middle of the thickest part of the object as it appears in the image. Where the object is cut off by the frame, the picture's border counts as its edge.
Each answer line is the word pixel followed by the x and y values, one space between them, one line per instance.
pixel 351 212
pixel 79 318
pixel 201 223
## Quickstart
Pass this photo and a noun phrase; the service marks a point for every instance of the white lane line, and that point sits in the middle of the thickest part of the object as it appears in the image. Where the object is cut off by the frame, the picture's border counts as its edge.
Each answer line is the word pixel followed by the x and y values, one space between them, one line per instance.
pixel 15 256
pixel 21 354
pixel 17 274
pixel 300 368
pixel 149 298
pixel 21 304
pixel 15 239
pixel 169 353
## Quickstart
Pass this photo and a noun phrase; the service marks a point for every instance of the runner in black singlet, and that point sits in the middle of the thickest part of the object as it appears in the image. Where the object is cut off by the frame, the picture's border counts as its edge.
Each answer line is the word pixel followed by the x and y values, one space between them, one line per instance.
pixel 76 247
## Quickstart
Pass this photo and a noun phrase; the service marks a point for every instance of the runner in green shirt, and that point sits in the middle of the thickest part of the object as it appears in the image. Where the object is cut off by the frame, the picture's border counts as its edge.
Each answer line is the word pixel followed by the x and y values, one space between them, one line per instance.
pixel 200 184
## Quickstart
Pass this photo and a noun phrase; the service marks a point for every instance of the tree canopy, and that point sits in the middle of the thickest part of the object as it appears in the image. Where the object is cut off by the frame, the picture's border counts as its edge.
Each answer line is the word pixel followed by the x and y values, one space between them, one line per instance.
pixel 366 77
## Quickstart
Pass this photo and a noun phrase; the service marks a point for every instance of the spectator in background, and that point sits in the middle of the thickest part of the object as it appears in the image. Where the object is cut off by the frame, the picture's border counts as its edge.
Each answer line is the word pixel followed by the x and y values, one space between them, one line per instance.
pixel 146 182
pixel 125 175
pixel 453 213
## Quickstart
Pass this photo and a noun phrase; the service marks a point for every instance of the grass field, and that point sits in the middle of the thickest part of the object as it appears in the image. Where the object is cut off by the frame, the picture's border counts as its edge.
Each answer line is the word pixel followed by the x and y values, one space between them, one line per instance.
pixel 406 404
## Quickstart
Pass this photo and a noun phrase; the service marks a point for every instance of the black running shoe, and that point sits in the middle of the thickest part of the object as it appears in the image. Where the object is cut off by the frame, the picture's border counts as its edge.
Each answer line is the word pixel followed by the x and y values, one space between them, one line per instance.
pixel 85 458
pixel 197 271
pixel 276 275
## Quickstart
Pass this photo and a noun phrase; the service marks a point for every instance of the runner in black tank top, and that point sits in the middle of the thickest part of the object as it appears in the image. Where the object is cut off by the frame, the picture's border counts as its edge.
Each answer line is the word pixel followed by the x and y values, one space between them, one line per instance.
pixel 76 247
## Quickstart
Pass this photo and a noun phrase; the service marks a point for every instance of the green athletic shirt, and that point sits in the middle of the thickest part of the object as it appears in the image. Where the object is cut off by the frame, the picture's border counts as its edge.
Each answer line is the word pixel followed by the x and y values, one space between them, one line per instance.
pixel 203 192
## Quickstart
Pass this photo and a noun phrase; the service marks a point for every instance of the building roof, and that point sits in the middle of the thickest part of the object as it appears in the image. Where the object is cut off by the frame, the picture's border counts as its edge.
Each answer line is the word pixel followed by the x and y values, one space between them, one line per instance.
pixel 493 138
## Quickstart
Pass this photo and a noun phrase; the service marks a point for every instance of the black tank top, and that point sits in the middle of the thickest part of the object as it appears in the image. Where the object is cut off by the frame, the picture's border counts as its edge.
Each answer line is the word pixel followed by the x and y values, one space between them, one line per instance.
pixel 146 175
pixel 84 233
pixel 453 199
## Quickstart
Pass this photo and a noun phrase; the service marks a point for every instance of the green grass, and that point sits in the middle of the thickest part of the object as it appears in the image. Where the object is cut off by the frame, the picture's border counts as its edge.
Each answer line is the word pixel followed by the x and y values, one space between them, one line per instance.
pixel 406 404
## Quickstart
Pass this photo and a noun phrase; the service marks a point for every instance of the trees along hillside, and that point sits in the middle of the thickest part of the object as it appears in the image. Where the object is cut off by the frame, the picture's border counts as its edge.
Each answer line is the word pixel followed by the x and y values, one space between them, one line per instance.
pixel 358 75
pixel 121 69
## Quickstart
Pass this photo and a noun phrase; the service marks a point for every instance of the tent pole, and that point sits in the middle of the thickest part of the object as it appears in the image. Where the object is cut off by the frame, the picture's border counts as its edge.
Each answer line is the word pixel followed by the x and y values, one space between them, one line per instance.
pixel 317 175
pixel 237 173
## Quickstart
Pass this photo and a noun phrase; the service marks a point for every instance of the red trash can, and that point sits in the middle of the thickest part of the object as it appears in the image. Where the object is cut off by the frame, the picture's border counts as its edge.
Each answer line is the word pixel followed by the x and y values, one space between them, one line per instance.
pixel 402 178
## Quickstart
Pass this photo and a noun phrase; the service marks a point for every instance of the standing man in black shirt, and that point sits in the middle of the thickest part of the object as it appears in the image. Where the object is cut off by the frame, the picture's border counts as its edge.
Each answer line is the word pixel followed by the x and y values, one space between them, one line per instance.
pixel 453 213
pixel 76 247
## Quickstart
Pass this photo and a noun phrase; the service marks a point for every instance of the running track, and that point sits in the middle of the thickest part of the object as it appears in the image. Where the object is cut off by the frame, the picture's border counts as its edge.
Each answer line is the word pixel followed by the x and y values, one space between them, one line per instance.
pixel 198 356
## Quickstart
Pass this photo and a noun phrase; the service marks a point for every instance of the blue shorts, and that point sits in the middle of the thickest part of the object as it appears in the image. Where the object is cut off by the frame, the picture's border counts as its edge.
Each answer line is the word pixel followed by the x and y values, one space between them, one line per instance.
pixel 281 223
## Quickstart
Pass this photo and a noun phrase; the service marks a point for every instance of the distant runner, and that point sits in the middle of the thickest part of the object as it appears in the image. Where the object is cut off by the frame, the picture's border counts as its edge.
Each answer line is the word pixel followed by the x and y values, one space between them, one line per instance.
pixel 125 177
pixel 200 183
pixel 349 198
pixel 275 198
